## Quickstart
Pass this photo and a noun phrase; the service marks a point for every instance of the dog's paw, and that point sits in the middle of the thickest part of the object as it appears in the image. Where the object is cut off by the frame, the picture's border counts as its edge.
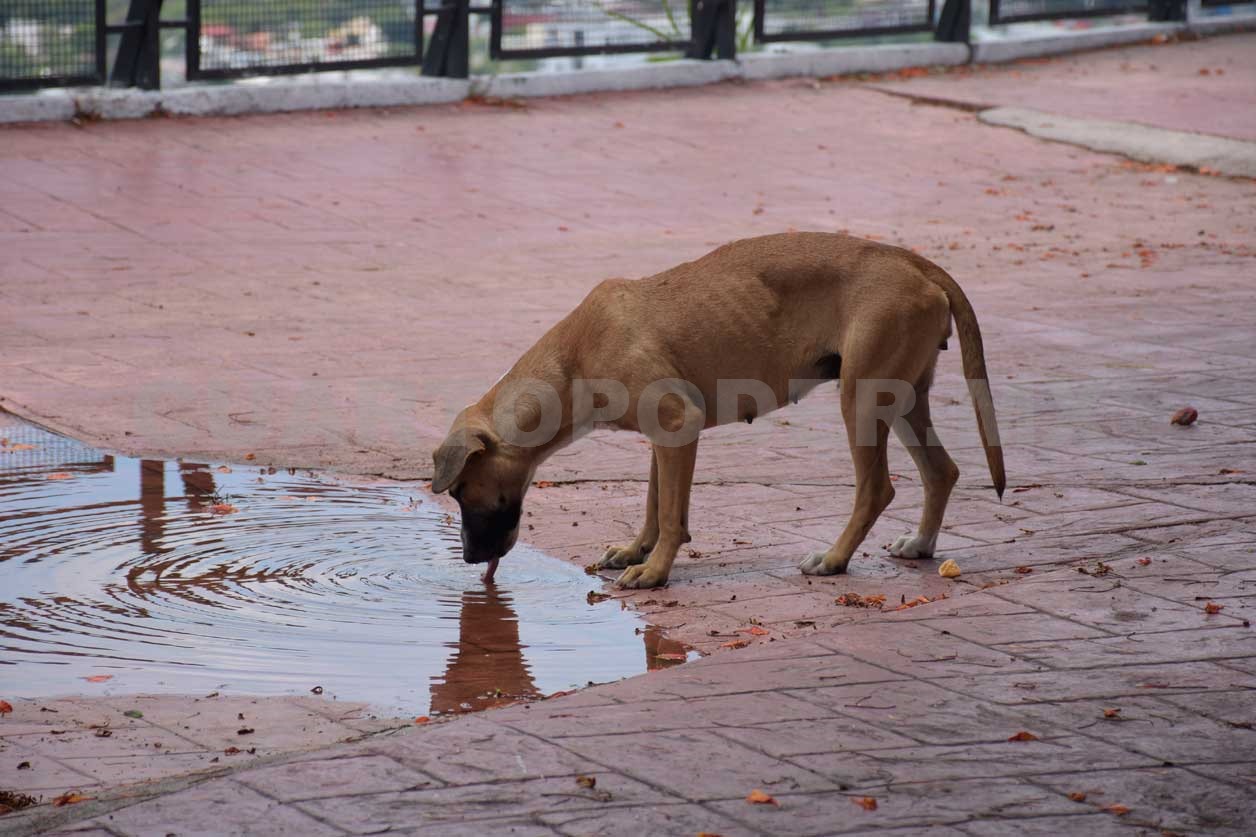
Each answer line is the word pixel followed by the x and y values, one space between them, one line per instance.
pixel 814 564
pixel 912 546
pixel 619 557
pixel 641 577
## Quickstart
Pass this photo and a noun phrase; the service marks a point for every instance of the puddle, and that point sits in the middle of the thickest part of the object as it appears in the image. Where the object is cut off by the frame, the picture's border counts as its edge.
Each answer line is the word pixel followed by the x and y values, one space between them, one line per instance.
pixel 123 567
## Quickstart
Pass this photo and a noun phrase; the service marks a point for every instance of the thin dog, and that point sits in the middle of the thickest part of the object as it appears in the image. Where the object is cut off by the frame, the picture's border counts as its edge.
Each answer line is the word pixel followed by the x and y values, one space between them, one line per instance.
pixel 774 315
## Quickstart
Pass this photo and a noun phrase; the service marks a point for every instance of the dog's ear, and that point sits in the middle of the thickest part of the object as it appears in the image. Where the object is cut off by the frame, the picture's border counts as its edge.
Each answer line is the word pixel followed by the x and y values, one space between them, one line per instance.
pixel 451 457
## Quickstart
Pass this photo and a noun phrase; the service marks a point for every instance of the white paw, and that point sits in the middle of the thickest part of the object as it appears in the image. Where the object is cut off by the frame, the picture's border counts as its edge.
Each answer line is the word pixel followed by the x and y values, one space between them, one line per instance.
pixel 814 564
pixel 912 546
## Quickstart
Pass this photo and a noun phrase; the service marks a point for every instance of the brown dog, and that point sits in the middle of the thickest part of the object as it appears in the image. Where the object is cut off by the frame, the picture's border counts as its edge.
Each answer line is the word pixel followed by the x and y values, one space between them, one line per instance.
pixel 748 327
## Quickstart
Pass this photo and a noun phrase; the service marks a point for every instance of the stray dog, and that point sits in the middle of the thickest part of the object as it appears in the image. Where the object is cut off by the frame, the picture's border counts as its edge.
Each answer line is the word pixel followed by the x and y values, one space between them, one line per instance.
pixel 774 315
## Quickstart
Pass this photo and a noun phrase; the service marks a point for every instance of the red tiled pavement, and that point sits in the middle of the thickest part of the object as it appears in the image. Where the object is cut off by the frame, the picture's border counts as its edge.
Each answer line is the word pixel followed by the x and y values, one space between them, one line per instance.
pixel 328 289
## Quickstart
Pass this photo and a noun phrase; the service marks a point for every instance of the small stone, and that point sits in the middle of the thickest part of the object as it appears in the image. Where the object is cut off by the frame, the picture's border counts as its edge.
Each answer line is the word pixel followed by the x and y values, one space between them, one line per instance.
pixel 949 569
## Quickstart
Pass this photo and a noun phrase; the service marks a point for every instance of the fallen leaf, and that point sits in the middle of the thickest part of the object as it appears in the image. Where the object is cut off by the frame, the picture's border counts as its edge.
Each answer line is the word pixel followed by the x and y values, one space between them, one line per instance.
pixel 422 719
pixel 223 508
pixel 71 798
pixel 231 751
pixel 249 457
pixel 59 475
pixel 245 731
pixel 736 643
pixel 21 446
pixel 758 797
pixel 133 713
pixel 586 781
pixel 855 600
pixel 755 630
pixel 544 484
pixel 104 732
pixel 98 678
pixel 1225 472
pixel 594 597
pixel 1023 736
pixel 590 569
pixel 949 569
pixel 1212 608
pixel 1143 562
pixel 1024 570
pixel 1117 809
pixel 1077 796
pixel 223 469
pixel 1024 488
pixel 1185 417
pixel 1112 713
pixel 5 707
pixel 868 803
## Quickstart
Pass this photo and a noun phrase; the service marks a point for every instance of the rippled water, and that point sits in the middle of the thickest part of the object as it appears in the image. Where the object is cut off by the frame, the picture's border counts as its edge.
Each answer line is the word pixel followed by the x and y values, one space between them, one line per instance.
pixel 140 570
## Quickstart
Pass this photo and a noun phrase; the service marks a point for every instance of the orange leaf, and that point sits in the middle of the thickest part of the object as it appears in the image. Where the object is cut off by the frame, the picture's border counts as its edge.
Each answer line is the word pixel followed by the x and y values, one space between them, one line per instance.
pixel 59 475
pixel 758 797
pixel 223 508
pixel 1143 562
pixel 1115 808
pixel 5 707
pixel 755 630
pixel 71 798
pixel 1077 796
pixel 1024 570
pixel 422 719
pixel 249 457
pixel 868 803
pixel 736 643
pixel 1023 736
pixel 544 484
pixel 98 678
pixel 1212 608
pixel 1112 713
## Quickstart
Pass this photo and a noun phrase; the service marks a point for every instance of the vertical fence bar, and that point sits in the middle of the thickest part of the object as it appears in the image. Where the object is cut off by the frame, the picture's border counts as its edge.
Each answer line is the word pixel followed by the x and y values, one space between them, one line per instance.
pixel 713 29
pixel 955 21
pixel 138 62
pixel 1166 10
pixel 102 43
pixel 449 54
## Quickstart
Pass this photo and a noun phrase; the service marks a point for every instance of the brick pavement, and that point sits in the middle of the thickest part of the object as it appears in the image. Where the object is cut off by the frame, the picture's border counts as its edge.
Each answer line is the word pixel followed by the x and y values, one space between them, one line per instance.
pixel 327 279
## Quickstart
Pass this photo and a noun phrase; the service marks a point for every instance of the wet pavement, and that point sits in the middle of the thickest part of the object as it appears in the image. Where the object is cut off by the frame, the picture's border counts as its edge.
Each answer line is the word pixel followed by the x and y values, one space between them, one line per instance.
pixel 125 575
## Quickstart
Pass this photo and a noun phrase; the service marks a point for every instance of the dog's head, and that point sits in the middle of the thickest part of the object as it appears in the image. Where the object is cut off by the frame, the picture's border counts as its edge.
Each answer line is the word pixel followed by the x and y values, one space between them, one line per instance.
pixel 488 478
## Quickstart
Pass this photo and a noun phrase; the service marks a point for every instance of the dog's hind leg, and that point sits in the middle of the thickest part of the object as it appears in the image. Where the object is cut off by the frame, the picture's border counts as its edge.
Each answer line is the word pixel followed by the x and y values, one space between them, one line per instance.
pixel 675 479
pixel 873 490
pixel 619 557
pixel 938 474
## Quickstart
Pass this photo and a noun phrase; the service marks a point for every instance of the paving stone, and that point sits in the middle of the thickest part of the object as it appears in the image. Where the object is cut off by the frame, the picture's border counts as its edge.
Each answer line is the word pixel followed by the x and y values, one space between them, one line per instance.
pixel 1170 799
pixel 681 761
pixel 652 819
pixel 418 809
pixel 1142 648
pixel 1092 825
pixel 221 807
pixel 333 776
pixel 920 650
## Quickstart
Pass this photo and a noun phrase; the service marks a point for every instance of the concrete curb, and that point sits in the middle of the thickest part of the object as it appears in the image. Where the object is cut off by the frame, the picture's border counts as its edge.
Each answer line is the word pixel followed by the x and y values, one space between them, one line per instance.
pixel 396 89
pixel 1232 157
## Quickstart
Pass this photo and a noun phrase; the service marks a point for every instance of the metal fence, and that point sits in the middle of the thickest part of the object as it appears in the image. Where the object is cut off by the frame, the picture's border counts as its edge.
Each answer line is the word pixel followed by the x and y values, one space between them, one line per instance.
pixel 46 43
pixel 63 42
pixel 818 20
pixel 1027 11
pixel 229 38
pixel 27 449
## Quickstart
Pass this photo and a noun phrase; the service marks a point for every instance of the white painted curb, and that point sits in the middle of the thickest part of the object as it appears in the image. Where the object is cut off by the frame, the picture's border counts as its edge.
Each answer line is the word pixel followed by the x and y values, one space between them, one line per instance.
pixel 1139 142
pixel 680 73
pixel 847 60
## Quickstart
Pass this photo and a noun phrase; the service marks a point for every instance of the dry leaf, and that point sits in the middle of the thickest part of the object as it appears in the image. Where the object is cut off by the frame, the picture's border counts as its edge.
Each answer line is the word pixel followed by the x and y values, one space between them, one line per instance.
pixel 59 475
pixel 1023 736
pixel 1024 570
pixel 1212 608
pixel 249 457
pixel 594 597
pixel 5 707
pixel 586 781
pixel 868 803
pixel 736 643
pixel 949 569
pixel 1077 796
pixel 755 630
pixel 758 797
pixel 98 678
pixel 1143 562
pixel 1112 713
pixel 1185 417
pixel 1116 808
pixel 422 719
pixel 71 798
pixel 223 508
pixel 544 484
pixel 20 446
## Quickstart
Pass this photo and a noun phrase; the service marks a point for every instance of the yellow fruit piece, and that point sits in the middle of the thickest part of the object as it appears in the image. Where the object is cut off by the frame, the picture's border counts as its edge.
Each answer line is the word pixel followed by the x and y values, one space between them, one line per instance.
pixel 949 569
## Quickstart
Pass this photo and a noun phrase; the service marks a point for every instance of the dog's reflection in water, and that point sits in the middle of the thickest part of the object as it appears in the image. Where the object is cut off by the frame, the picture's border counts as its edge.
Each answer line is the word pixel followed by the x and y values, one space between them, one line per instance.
pixel 487 667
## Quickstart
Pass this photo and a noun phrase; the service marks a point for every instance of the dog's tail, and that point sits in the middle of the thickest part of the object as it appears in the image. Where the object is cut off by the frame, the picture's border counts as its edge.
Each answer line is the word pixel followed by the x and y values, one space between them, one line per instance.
pixel 974 360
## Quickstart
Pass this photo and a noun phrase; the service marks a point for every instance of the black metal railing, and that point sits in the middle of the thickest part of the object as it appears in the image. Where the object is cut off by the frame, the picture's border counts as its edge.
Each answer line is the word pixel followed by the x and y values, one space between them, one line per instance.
pixel 51 43
pixel 64 42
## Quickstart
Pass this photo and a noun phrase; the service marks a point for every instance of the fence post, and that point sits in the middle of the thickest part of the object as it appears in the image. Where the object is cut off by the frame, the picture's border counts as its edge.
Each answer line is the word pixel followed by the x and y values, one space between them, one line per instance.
pixel 138 63
pixel 448 51
pixel 1161 11
pixel 955 22
pixel 714 30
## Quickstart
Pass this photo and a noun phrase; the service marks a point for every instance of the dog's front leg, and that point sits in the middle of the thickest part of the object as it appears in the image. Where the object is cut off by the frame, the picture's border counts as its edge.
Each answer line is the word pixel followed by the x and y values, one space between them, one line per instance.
pixel 674 466
pixel 619 557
